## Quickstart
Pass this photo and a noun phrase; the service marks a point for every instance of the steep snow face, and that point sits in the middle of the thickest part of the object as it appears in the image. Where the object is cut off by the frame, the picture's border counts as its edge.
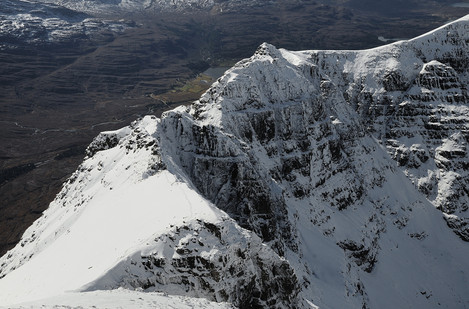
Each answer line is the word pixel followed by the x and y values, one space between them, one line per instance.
pixel 413 98
pixel 298 180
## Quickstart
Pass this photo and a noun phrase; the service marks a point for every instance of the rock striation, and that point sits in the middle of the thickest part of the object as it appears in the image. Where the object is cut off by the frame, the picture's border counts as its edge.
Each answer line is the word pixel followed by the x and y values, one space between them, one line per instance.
pixel 331 179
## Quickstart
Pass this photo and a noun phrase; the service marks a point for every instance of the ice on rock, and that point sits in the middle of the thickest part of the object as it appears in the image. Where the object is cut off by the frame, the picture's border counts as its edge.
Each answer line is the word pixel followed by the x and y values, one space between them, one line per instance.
pixel 310 179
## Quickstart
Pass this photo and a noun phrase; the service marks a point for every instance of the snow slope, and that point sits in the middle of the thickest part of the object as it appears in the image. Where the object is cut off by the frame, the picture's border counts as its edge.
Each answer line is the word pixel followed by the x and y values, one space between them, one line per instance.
pixel 121 298
pixel 80 245
pixel 116 206
pixel 330 179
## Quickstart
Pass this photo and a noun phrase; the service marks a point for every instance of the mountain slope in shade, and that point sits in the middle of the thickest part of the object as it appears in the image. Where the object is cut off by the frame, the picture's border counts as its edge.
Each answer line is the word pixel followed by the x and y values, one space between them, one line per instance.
pixel 330 179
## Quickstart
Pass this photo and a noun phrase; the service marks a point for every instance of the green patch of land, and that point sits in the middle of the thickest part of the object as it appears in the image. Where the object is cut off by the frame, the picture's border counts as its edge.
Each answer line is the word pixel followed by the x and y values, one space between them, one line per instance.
pixel 185 92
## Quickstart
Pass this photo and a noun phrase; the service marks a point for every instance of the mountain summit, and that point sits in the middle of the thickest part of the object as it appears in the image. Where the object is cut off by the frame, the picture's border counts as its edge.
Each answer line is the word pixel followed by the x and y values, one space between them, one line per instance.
pixel 330 179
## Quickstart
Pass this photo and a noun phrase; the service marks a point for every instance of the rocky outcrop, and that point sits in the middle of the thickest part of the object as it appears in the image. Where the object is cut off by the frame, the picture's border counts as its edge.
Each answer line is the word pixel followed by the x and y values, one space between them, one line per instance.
pixel 412 97
pixel 282 129
pixel 219 262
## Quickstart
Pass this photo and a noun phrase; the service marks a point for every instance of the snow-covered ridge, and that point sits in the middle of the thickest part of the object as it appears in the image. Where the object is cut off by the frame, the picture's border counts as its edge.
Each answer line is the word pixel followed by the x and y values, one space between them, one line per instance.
pixel 94 225
pixel 298 180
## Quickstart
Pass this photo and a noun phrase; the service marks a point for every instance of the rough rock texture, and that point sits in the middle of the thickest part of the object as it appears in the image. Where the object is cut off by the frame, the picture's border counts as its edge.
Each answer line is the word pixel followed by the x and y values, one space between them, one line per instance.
pixel 413 98
pixel 219 262
pixel 282 129
pixel 337 174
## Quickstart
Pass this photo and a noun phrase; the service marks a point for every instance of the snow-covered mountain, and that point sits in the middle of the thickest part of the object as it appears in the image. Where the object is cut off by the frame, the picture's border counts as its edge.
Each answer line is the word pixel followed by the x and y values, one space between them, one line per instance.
pixel 151 6
pixel 32 22
pixel 330 179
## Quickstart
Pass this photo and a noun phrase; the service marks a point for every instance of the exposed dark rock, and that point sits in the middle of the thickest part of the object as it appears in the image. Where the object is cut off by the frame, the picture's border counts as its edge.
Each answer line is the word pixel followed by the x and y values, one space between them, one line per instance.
pixel 102 142
pixel 459 225
pixel 365 257
pixel 251 276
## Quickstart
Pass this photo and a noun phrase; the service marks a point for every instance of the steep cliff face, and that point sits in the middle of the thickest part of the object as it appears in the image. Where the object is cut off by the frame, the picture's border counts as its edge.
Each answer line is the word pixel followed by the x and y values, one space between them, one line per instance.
pixel 323 135
pixel 412 97
pixel 299 179
pixel 219 262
